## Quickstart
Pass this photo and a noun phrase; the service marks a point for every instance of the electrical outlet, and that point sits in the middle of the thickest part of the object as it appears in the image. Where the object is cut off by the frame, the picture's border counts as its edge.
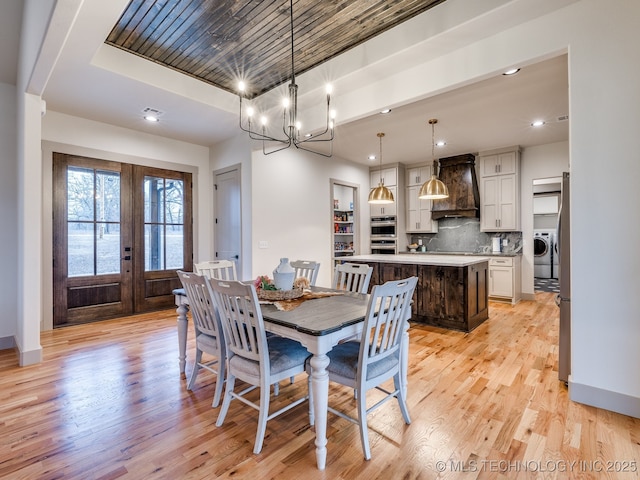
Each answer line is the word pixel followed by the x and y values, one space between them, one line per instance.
pixel 263 244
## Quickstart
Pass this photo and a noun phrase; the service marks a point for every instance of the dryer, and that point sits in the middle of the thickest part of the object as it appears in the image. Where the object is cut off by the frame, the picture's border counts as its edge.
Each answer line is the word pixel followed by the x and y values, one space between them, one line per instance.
pixel 542 253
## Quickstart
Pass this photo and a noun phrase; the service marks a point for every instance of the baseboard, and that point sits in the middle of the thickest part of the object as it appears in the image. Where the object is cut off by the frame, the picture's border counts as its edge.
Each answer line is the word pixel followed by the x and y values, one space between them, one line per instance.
pixel 7 343
pixel 528 296
pixel 606 399
pixel 30 357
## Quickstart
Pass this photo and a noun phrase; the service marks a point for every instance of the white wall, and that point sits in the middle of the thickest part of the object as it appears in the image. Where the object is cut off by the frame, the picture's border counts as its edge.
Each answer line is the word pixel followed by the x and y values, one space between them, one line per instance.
pixel 292 208
pixel 8 216
pixel 544 161
pixel 236 151
pixel 67 134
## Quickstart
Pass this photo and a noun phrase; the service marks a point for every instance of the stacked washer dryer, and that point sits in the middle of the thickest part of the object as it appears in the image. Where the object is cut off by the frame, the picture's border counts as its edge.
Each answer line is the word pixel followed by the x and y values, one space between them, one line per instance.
pixel 543 241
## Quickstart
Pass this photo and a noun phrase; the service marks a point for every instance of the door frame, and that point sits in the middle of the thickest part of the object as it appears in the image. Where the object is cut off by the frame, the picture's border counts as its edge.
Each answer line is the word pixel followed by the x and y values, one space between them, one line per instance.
pixel 241 260
pixel 157 285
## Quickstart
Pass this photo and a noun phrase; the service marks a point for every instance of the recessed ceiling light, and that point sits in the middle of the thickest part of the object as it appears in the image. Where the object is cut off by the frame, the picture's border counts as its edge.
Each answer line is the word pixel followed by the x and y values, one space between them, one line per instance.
pixel 308 135
pixel 151 114
pixel 441 143
pixel 511 71
pixel 537 123
pixel 386 110
pixel 371 157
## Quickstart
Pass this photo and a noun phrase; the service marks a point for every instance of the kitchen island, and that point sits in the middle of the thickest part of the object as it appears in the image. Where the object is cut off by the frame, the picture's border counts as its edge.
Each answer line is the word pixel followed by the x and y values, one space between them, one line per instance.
pixel 452 289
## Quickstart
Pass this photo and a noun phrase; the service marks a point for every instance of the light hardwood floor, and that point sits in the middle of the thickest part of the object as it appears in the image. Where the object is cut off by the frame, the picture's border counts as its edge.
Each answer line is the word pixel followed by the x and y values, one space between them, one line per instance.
pixel 108 402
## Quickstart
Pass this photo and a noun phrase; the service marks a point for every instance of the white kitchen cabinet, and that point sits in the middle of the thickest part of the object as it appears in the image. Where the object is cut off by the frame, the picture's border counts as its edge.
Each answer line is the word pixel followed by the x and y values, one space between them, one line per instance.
pixel 419 213
pixel 386 209
pixel 500 191
pixel 393 178
pixel 504 279
pixel 499 164
pixel 389 177
pixel 418 175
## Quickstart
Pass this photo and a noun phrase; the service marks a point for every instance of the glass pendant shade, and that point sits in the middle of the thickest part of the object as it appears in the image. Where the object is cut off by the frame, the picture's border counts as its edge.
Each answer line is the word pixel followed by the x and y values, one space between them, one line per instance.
pixel 380 194
pixel 433 189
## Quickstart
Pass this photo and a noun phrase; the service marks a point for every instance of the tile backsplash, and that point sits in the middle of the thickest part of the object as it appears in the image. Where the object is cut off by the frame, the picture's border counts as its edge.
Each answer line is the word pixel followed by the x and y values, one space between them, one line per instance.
pixel 464 235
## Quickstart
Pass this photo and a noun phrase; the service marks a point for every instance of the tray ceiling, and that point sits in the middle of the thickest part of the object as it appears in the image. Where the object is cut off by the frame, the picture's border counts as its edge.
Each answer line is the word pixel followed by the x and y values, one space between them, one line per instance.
pixel 223 41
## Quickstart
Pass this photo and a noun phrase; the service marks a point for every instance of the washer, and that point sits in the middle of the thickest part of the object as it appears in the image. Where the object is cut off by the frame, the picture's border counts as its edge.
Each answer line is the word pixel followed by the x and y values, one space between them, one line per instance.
pixel 542 257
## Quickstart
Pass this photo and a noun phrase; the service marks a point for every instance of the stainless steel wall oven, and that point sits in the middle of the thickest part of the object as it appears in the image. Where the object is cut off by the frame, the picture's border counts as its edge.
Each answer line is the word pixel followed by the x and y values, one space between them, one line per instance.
pixel 383 235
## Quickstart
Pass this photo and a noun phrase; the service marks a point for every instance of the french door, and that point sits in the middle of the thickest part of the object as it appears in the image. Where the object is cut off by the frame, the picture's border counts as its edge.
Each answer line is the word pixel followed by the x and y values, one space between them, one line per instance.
pixel 120 232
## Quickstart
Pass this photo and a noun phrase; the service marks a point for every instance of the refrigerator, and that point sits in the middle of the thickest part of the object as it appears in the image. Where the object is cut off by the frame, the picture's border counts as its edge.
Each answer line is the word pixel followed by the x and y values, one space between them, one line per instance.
pixel 563 299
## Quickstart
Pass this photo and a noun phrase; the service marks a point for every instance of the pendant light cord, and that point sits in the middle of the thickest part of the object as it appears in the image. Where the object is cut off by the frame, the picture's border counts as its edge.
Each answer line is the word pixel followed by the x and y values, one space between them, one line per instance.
pixel 293 72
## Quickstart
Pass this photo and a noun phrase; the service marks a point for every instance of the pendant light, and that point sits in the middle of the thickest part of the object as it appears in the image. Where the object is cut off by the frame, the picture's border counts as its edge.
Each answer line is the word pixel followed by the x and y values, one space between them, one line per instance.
pixel 380 194
pixel 433 189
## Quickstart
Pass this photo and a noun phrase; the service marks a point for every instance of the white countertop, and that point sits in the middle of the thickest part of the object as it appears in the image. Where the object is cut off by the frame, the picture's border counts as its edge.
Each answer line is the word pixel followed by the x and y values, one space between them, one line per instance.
pixel 410 258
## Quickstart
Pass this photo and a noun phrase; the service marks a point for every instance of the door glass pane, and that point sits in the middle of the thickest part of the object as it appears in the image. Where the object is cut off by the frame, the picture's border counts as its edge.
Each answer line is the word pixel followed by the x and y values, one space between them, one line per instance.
pixel 80 194
pixel 93 222
pixel 108 196
pixel 153 247
pixel 175 242
pixel 80 252
pixel 164 223
pixel 108 248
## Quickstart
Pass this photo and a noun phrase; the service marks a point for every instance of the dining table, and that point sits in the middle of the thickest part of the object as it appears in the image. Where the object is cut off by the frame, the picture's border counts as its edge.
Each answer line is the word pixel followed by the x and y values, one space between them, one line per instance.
pixel 319 324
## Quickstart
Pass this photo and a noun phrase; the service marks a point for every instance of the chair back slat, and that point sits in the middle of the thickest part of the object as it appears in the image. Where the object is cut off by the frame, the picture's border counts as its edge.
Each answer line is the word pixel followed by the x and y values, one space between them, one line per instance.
pixel 353 277
pixel 241 318
pixel 388 311
pixel 307 269
pixel 200 303
pixel 220 269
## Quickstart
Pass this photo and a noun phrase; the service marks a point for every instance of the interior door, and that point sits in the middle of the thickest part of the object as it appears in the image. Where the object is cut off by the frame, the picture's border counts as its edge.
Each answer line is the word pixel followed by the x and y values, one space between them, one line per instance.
pixel 228 226
pixel 120 232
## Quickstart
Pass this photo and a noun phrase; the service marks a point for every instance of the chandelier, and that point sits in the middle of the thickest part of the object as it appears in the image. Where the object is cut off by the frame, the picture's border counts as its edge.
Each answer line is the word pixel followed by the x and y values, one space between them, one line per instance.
pixel 290 123
pixel 433 189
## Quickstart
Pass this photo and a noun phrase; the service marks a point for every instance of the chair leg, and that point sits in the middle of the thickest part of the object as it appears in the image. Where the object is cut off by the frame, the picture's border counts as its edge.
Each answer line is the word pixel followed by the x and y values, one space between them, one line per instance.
pixel 194 372
pixel 262 418
pixel 402 401
pixel 276 388
pixel 222 370
pixel 362 419
pixel 226 401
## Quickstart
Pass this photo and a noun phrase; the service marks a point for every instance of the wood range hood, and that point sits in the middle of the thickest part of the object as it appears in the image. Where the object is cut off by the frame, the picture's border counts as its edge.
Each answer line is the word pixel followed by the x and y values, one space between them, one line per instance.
pixel 459 175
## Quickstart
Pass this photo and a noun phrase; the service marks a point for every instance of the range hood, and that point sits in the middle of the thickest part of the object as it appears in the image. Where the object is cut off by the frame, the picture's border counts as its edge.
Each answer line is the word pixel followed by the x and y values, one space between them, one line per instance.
pixel 459 175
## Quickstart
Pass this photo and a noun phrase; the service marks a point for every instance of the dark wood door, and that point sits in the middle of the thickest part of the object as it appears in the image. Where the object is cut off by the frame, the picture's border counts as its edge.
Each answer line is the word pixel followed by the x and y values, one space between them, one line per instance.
pixel 107 261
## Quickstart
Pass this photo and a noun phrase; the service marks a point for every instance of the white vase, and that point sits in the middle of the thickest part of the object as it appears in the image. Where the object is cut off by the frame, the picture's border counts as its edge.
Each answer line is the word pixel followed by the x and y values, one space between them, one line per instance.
pixel 284 275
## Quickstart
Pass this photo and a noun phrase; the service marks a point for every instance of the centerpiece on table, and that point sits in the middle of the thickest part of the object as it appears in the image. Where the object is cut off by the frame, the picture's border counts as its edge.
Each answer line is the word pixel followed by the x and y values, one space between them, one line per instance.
pixel 283 286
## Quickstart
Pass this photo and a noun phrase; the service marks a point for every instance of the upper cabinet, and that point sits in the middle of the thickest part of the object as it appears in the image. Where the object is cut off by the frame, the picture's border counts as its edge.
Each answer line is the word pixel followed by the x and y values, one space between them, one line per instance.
pixel 500 190
pixel 390 177
pixel 419 211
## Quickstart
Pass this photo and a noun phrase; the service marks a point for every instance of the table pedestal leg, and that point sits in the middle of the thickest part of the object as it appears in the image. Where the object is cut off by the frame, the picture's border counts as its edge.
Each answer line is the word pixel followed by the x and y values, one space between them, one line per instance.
pixel 182 336
pixel 320 388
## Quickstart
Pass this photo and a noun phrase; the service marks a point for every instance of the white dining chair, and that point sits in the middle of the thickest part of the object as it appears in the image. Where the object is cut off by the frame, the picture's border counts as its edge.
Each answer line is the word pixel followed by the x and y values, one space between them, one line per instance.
pixel 208 331
pixel 353 277
pixel 307 269
pixel 376 357
pixel 221 269
pixel 253 357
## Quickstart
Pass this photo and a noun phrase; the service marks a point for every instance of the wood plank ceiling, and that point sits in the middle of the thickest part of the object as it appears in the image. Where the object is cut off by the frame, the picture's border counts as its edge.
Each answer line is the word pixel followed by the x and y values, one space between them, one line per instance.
pixel 223 41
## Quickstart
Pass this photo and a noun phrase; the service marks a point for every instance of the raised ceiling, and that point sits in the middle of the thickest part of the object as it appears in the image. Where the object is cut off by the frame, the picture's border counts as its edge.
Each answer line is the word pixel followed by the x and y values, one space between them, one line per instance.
pixel 223 41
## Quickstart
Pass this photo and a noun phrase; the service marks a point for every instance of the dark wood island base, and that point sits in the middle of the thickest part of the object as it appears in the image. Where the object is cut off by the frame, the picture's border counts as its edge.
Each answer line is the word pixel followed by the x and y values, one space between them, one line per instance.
pixel 447 295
